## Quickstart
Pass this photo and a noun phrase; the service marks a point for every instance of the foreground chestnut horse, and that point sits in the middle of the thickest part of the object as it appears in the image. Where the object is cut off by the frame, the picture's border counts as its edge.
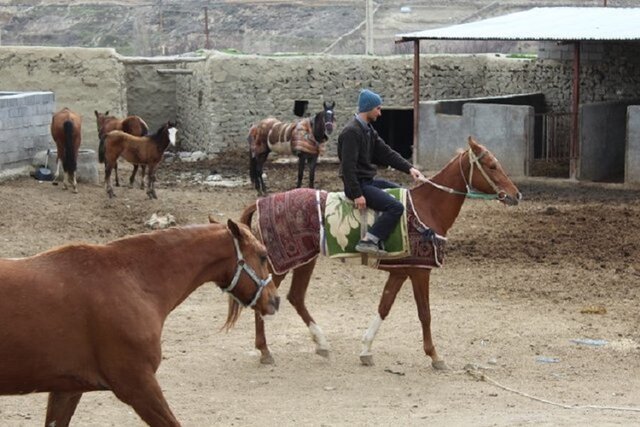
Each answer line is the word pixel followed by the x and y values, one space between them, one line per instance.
pixel 66 130
pixel 133 125
pixel 138 150
pixel 83 317
pixel 437 203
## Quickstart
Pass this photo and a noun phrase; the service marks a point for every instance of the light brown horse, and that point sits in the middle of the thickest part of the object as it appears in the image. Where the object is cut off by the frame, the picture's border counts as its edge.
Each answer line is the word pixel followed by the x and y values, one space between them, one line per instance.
pixel 138 150
pixel 133 125
pixel 83 317
pixel 66 130
pixel 436 203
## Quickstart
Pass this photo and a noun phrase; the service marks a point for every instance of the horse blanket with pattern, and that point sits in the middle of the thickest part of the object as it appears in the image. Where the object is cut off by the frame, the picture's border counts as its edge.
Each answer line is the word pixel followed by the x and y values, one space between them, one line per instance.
pixel 343 223
pixel 292 227
pixel 291 138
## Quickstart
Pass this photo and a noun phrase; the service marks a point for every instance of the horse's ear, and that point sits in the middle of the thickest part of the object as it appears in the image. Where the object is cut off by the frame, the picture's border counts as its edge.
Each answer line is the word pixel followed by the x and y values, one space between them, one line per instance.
pixel 96 113
pixel 235 230
pixel 472 142
pixel 212 220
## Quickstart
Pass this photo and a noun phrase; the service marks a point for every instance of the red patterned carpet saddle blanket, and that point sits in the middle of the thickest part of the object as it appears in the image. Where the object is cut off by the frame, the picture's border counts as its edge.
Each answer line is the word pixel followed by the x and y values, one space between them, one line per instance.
pixel 291 225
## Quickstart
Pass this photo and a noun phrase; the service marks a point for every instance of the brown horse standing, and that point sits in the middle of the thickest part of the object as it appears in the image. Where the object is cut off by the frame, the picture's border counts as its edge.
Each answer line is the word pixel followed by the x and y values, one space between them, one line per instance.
pixel 138 150
pixel 83 317
pixel 66 130
pixel 133 125
pixel 305 138
pixel 436 203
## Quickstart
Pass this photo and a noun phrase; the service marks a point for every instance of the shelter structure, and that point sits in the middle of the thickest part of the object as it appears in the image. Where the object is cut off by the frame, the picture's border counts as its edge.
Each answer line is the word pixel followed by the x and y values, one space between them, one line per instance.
pixel 563 25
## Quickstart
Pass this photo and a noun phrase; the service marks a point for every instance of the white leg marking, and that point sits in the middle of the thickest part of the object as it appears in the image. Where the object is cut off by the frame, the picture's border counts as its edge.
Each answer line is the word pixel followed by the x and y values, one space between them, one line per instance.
pixel 370 334
pixel 318 337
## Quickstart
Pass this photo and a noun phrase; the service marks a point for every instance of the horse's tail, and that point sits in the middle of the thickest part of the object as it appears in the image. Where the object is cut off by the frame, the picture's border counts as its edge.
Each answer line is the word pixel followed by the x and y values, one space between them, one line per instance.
pixel 69 162
pixel 101 148
pixel 233 314
pixel 253 161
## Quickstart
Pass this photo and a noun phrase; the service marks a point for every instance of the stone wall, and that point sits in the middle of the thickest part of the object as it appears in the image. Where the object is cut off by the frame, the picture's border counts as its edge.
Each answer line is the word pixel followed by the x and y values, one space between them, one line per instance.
pixel 82 79
pixel 25 119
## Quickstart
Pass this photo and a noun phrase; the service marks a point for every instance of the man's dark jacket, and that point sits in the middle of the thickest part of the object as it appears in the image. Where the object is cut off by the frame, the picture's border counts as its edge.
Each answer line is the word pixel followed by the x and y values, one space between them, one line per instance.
pixel 360 148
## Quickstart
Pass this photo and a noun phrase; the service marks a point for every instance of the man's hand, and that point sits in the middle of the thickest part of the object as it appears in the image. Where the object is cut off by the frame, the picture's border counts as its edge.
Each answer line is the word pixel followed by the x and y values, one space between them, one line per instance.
pixel 361 202
pixel 416 175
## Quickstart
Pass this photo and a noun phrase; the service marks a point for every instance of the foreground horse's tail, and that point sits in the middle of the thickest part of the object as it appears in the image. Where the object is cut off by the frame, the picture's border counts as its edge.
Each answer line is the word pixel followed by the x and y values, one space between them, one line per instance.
pixel 69 162
pixel 233 314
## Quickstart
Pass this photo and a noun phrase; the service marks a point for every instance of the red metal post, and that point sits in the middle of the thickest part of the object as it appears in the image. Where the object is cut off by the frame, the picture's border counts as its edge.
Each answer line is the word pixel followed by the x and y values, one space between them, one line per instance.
pixel 574 148
pixel 207 44
pixel 416 99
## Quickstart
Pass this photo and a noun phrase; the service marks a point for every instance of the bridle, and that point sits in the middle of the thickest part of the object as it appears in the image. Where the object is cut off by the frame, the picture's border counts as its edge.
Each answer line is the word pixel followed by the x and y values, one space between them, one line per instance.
pixel 471 192
pixel 241 266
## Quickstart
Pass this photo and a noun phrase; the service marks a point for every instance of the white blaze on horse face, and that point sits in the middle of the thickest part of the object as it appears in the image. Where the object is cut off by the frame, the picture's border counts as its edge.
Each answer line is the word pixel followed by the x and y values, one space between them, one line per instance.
pixel 172 135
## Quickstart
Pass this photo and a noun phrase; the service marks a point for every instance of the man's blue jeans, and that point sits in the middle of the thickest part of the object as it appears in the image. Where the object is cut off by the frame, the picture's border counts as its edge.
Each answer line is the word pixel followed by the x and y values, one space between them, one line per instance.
pixel 391 209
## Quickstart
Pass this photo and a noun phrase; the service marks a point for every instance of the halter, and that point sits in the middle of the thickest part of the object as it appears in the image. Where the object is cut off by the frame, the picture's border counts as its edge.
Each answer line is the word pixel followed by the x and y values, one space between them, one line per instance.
pixel 242 265
pixel 471 192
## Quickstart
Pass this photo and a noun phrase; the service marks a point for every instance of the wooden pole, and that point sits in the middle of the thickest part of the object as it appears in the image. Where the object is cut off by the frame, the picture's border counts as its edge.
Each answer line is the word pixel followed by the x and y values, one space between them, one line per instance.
pixel 416 100
pixel 574 148
pixel 207 44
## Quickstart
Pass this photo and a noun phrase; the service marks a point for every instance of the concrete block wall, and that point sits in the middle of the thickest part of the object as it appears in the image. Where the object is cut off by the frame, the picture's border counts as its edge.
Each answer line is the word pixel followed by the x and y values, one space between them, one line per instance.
pixel 506 130
pixel 25 118
pixel 632 147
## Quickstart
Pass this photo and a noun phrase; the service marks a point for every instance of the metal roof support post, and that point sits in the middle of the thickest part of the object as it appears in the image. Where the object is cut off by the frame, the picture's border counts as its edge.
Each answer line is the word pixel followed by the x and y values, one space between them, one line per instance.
pixel 416 99
pixel 574 147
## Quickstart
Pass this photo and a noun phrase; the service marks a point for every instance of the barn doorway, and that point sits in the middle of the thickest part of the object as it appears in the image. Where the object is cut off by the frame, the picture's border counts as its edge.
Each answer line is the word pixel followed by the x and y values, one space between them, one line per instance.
pixel 395 126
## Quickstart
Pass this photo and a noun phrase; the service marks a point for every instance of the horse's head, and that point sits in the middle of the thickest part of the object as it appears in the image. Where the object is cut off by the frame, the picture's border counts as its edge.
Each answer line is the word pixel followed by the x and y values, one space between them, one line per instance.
pixel 491 178
pixel 251 285
pixel 171 132
pixel 101 119
pixel 328 117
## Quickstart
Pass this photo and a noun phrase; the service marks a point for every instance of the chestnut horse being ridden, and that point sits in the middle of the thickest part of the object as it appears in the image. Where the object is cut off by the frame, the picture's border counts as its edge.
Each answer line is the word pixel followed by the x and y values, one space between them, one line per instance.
pixel 436 203
pixel 84 317
pixel 66 130
pixel 133 125
pixel 139 150
pixel 305 138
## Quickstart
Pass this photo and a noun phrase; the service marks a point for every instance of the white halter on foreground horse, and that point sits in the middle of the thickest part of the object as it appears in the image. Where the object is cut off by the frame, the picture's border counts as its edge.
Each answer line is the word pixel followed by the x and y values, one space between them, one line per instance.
pixel 83 317
pixel 436 203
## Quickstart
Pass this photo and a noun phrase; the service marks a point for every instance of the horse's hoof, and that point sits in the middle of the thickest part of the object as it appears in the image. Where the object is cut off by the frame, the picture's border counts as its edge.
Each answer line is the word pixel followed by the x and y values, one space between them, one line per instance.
pixel 440 365
pixel 366 359
pixel 267 359
pixel 322 352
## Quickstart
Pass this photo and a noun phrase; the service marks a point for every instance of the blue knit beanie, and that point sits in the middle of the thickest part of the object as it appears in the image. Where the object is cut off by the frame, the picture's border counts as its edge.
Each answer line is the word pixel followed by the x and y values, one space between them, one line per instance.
pixel 368 100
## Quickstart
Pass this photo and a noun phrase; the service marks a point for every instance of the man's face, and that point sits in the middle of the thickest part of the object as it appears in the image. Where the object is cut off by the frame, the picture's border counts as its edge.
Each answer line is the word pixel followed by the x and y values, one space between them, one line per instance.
pixel 373 115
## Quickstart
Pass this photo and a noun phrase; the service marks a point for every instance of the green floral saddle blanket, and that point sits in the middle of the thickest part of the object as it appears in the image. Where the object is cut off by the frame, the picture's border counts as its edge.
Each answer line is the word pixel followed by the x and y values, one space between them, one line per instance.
pixel 342 223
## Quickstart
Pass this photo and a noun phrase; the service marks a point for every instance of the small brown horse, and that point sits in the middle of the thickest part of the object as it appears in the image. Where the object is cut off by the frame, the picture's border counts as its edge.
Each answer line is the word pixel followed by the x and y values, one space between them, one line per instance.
pixel 305 138
pixel 133 125
pixel 138 150
pixel 83 317
pixel 66 130
pixel 436 203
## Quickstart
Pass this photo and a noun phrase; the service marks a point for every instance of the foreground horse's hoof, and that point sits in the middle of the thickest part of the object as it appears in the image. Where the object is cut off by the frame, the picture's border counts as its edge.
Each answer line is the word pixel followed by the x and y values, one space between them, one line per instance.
pixel 366 359
pixel 322 352
pixel 267 359
pixel 440 365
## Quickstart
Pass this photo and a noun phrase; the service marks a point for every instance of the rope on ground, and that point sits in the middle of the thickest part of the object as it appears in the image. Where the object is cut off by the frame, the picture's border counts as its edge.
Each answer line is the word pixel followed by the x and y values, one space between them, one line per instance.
pixel 480 376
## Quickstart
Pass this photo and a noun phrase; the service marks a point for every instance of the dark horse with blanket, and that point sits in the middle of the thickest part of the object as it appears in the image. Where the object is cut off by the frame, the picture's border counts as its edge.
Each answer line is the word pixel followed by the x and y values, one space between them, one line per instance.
pixel 84 317
pixel 305 138
pixel 293 242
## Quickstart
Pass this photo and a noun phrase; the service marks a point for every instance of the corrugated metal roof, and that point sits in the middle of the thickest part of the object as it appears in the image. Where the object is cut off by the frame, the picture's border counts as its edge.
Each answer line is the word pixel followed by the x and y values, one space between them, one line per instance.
pixel 545 23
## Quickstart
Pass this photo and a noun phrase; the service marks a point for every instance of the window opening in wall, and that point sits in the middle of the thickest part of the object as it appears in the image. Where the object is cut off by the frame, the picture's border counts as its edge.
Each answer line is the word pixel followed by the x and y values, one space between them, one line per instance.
pixel 300 107
pixel 395 126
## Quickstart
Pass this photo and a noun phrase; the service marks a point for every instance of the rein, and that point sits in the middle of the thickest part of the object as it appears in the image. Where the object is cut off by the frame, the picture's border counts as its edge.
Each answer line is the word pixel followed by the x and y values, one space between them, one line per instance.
pixel 240 267
pixel 470 192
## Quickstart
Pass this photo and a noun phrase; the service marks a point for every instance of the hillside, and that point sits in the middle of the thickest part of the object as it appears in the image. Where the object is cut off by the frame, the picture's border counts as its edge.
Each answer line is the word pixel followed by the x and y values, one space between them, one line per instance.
pixel 155 27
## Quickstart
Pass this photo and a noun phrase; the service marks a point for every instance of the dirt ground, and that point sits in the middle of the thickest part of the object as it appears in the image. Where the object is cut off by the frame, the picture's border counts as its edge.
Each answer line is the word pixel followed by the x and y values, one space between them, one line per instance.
pixel 518 286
